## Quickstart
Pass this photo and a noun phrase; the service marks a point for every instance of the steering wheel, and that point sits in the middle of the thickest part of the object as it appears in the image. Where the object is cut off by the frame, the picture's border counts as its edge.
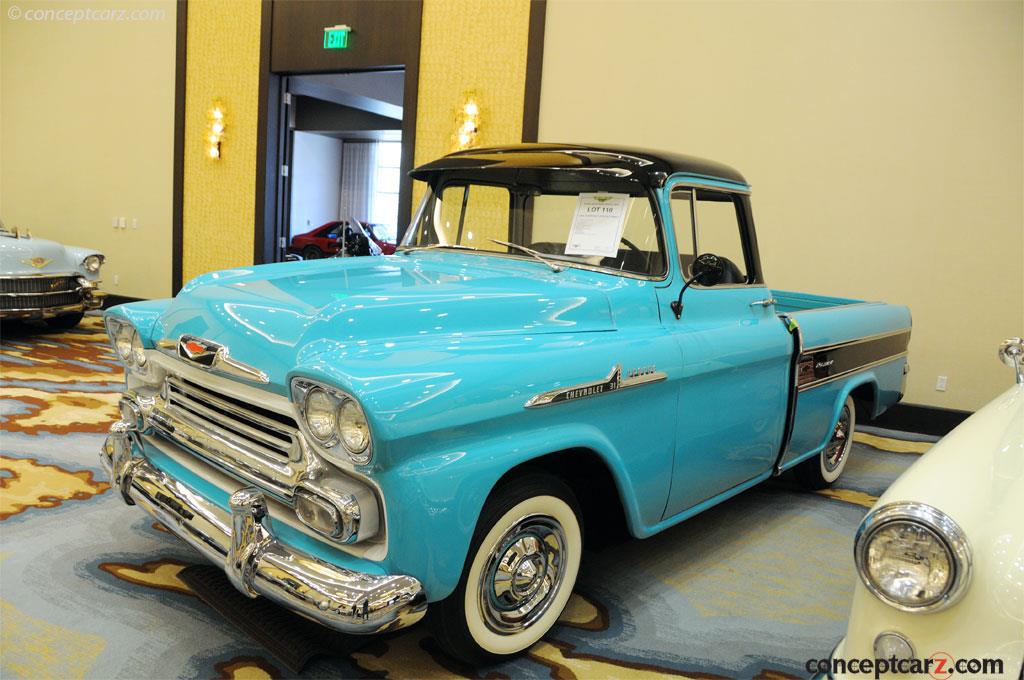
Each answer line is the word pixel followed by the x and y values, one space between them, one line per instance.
pixel 632 246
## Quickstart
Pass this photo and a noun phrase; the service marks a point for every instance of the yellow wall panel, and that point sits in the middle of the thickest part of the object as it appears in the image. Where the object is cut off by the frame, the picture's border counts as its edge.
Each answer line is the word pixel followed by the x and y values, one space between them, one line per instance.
pixel 223 65
pixel 470 46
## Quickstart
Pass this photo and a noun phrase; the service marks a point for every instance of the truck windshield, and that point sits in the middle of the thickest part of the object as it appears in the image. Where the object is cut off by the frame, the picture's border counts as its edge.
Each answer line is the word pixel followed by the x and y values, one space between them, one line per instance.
pixel 613 229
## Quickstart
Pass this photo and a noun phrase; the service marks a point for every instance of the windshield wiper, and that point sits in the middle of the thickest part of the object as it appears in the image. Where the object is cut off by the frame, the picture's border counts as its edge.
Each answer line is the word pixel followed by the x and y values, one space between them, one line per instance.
pixel 409 249
pixel 529 251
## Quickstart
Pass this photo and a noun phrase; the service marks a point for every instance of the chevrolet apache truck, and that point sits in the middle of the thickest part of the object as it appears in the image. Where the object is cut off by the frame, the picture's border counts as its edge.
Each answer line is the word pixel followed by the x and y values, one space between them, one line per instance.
pixel 568 338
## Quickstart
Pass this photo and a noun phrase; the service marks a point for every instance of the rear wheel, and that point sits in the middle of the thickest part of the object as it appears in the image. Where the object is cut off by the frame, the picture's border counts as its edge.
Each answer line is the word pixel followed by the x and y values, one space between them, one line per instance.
pixel 519 574
pixel 822 470
pixel 65 321
pixel 312 253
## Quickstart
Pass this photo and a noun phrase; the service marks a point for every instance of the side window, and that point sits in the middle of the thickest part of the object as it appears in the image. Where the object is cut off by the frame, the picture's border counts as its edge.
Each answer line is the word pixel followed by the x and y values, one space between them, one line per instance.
pixel 681 205
pixel 718 232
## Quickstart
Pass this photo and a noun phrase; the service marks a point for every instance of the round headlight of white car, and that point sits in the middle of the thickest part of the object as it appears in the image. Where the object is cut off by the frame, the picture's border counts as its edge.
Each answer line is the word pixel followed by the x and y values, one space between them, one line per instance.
pixel 355 433
pixel 321 414
pixel 92 263
pixel 913 557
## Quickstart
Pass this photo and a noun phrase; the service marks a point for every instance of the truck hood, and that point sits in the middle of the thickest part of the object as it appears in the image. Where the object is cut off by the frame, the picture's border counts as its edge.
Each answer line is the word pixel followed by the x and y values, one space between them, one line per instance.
pixel 286 314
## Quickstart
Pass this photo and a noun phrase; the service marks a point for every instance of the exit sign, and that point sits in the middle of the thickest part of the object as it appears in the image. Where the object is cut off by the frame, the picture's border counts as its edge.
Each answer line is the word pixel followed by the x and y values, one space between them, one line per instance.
pixel 336 37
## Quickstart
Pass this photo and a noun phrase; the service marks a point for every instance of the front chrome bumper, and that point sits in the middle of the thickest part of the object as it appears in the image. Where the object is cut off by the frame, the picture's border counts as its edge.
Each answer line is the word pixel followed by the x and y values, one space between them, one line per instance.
pixel 243 541
pixel 94 300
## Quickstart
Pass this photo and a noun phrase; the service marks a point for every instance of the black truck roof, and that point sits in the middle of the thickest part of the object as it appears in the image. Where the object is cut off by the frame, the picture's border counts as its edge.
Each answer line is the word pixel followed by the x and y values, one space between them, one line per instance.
pixel 642 165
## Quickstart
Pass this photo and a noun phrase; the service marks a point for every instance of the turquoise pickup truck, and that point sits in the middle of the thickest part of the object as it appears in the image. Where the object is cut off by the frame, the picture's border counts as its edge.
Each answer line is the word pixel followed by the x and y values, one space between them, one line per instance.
pixel 568 339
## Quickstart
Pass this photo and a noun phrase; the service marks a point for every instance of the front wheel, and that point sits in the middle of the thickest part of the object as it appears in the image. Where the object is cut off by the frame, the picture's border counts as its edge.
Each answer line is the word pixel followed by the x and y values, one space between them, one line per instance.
pixel 312 253
pixel 519 574
pixel 822 470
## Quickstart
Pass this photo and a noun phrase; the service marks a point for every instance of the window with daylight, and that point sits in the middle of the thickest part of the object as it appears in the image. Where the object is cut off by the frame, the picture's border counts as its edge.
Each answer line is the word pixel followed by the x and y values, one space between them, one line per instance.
pixel 387 176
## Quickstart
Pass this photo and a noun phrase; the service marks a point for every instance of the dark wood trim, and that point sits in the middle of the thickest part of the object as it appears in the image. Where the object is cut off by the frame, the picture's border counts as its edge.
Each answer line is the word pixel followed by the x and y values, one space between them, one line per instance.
pixel 114 300
pixel 534 67
pixel 931 420
pixel 266 167
pixel 299 28
pixel 178 171
pixel 410 100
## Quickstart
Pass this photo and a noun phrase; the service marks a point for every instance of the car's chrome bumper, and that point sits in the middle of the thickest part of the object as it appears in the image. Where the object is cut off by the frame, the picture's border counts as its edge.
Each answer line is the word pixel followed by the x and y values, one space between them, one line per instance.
pixel 243 541
pixel 94 300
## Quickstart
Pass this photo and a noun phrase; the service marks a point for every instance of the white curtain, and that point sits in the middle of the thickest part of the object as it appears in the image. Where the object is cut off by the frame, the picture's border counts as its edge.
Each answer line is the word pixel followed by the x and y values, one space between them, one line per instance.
pixel 358 176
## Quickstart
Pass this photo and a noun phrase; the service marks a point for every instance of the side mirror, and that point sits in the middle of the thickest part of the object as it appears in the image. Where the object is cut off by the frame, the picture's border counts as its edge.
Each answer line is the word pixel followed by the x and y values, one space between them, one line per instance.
pixel 708 270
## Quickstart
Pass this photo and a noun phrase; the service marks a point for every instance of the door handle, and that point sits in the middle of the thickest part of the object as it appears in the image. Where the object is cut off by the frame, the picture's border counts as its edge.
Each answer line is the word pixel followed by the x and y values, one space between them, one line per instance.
pixel 767 302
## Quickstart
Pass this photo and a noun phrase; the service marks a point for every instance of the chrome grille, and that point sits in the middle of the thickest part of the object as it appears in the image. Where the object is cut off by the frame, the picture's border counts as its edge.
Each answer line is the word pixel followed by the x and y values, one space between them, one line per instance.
pixel 255 429
pixel 41 301
pixel 38 284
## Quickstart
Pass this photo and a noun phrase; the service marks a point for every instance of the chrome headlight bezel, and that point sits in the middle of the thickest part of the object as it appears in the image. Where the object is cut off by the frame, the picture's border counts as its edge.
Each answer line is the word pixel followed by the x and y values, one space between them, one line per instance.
pixel 951 537
pixel 120 330
pixel 92 263
pixel 301 388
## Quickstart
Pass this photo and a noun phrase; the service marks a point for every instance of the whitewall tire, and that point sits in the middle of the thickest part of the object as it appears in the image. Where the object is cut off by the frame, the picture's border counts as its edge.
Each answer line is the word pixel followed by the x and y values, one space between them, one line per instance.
pixel 519 574
pixel 822 470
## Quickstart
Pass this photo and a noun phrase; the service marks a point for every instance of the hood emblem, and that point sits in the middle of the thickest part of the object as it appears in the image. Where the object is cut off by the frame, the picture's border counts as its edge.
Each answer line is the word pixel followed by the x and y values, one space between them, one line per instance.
pixel 210 355
pixel 612 382
pixel 37 262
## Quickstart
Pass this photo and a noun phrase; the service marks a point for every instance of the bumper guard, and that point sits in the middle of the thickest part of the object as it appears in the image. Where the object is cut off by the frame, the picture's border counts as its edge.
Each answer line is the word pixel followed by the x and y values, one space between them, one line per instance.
pixel 256 562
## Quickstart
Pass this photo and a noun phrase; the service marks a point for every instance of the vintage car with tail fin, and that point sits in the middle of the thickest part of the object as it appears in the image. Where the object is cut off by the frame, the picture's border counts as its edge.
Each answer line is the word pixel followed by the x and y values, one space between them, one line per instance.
pixel 41 279
pixel 941 554
pixel 568 340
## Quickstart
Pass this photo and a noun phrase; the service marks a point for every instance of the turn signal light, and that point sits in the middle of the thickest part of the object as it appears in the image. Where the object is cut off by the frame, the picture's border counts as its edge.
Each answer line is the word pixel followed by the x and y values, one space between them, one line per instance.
pixel 324 517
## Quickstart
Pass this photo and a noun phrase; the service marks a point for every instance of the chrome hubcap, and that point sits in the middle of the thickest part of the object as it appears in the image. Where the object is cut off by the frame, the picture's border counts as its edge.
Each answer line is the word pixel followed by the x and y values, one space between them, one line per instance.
pixel 522 574
pixel 839 444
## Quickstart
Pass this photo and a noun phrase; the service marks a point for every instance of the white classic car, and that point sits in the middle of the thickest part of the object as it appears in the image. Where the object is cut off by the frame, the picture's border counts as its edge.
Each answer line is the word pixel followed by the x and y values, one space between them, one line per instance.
pixel 941 556
pixel 42 279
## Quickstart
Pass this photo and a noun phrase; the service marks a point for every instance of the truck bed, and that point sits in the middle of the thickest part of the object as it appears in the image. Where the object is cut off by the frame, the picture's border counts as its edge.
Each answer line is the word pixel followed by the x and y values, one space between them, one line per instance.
pixel 845 346
pixel 791 301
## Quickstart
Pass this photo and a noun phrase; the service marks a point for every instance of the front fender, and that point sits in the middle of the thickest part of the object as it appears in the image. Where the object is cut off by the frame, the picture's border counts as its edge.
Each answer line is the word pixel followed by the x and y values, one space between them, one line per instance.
pixel 433 502
pixel 143 315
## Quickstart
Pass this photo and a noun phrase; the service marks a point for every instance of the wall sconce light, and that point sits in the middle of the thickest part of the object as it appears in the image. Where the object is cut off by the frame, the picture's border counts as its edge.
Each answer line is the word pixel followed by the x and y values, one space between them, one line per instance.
pixel 215 131
pixel 467 124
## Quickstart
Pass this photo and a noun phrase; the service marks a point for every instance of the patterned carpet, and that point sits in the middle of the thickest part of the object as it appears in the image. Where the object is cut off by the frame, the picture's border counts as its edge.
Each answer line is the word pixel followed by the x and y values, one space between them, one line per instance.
pixel 89 587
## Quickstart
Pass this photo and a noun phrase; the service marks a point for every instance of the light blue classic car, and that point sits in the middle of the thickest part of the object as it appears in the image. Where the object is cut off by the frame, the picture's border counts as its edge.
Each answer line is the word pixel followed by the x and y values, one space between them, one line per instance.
pixel 569 339
pixel 42 279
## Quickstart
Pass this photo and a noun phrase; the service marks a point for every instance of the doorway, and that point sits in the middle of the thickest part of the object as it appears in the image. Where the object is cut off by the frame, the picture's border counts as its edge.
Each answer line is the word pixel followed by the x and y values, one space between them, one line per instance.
pixel 342 151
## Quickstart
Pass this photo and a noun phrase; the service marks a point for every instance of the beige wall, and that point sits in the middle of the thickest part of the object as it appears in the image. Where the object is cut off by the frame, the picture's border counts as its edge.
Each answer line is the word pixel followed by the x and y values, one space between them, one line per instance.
pixel 883 141
pixel 87 131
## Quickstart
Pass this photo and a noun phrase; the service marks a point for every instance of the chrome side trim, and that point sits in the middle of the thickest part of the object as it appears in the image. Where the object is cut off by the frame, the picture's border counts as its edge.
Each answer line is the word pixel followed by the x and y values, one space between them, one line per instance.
pixel 935 521
pixel 244 543
pixel 857 341
pixel 611 383
pixel 844 374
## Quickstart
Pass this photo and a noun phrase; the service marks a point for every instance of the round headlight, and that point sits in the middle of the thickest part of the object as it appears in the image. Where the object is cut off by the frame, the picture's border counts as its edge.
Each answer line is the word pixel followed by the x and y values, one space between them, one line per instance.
pixel 912 557
pixel 125 338
pixel 320 412
pixel 138 352
pixel 355 433
pixel 92 263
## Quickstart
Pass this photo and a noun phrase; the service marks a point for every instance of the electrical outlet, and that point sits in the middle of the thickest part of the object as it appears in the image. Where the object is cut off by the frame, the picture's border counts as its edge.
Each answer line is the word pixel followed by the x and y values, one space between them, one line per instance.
pixel 940 384
pixel 117 279
pixel 121 223
pixel 113 222
pixel 135 223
